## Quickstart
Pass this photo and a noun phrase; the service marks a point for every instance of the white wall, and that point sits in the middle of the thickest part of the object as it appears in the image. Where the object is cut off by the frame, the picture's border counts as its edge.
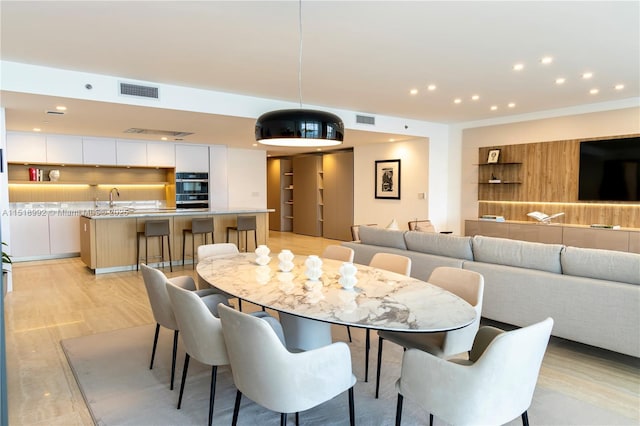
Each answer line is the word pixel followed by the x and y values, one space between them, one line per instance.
pixel 414 179
pixel 247 178
pixel 4 196
pixel 590 125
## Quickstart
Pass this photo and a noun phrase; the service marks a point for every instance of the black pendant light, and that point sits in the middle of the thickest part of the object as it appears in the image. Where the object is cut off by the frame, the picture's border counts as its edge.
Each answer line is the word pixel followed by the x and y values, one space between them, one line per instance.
pixel 299 127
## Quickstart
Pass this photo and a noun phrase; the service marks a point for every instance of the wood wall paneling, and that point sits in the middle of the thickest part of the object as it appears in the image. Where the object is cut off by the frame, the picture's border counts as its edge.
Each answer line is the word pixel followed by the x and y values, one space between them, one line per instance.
pixel 548 174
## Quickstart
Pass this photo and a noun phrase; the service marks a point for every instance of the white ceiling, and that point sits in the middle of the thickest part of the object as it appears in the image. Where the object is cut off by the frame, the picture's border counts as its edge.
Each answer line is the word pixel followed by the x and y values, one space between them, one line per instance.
pixel 363 56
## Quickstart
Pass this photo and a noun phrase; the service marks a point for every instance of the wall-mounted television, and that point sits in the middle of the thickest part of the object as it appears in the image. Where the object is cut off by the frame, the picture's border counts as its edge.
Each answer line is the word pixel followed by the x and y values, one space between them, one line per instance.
pixel 610 170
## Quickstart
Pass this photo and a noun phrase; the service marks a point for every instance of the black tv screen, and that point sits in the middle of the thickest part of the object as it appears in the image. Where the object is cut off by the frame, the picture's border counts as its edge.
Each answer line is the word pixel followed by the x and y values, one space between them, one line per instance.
pixel 610 170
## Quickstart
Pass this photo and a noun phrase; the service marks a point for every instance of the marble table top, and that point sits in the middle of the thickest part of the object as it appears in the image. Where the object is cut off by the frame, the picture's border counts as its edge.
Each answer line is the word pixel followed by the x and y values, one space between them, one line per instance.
pixel 380 300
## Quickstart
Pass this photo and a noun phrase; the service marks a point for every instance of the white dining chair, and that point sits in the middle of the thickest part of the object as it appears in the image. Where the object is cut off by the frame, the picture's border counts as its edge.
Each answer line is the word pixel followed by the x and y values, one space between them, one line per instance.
pixel 285 382
pixel 389 262
pixel 155 284
pixel 494 386
pixel 468 285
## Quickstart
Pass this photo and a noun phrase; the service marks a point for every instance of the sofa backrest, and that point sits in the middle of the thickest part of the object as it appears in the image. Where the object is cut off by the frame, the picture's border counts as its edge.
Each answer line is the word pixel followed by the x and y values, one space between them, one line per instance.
pixel 439 244
pixel 601 264
pixel 522 254
pixel 382 237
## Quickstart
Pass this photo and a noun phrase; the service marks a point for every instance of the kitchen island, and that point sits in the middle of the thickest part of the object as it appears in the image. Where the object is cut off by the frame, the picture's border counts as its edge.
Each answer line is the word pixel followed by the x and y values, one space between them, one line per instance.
pixel 108 236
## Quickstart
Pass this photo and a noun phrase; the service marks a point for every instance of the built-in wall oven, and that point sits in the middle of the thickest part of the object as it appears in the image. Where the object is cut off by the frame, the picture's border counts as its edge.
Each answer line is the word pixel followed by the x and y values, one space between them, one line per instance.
pixel 192 190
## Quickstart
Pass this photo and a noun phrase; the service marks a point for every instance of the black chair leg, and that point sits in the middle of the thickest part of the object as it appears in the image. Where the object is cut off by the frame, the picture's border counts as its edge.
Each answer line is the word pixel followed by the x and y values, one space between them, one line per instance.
pixel 380 340
pixel 155 344
pixel 173 359
pixel 525 419
pixel 399 410
pixel 352 411
pixel 349 333
pixel 184 378
pixel 297 418
pixel 367 346
pixel 212 392
pixel 283 419
pixel 430 419
pixel 169 244
pixel 236 408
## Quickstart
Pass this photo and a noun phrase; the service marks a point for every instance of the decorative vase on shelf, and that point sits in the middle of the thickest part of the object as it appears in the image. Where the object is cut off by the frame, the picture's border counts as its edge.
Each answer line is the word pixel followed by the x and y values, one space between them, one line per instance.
pixel 54 175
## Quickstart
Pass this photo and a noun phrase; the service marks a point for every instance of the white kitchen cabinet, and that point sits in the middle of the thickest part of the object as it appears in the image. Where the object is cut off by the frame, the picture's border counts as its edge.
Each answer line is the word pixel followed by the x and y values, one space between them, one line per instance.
pixel 192 158
pixel 161 154
pixel 64 149
pixel 64 234
pixel 131 153
pixel 29 236
pixel 99 151
pixel 26 147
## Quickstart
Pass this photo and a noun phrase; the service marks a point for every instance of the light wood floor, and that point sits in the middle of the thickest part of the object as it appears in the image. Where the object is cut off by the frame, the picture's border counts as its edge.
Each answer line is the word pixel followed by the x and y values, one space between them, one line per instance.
pixel 60 299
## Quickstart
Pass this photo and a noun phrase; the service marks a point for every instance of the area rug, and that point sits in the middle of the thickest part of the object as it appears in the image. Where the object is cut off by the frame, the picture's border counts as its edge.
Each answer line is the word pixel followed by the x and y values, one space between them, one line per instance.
pixel 112 371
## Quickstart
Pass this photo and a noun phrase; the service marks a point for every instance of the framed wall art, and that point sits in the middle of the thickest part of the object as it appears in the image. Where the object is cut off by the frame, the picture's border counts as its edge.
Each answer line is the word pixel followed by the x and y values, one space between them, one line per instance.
pixel 494 156
pixel 387 179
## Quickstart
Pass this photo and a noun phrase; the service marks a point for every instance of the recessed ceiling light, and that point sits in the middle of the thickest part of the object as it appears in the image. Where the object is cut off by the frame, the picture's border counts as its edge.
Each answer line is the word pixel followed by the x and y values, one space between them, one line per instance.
pixel 254 144
pixel 392 140
pixel 475 97
pixel 494 107
pixel 431 87
pixel 457 101
pixel 518 67
pixel 546 60
pixel 164 138
pixel 36 129
pixel 413 91
pixel 594 91
pixel 61 108
pixel 619 86
pixel 587 75
pixel 511 105
pixel 560 80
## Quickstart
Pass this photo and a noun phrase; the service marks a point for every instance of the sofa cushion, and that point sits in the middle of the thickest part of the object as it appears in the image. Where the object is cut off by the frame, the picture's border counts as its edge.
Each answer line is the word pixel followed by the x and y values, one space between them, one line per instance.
pixel 601 264
pixel 522 254
pixel 439 244
pixel 382 237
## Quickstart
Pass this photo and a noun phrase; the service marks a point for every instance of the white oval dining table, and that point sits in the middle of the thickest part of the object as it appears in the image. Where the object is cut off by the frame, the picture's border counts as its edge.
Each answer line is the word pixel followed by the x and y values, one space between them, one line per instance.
pixel 380 300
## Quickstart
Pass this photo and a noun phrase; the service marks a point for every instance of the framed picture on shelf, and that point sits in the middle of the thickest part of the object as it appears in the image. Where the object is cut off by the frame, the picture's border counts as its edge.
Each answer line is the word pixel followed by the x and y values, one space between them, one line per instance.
pixel 494 156
pixel 387 179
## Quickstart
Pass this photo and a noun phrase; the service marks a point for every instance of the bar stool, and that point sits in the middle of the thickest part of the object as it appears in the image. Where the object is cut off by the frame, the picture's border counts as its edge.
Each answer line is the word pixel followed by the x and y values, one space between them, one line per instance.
pixel 202 226
pixel 244 224
pixel 154 228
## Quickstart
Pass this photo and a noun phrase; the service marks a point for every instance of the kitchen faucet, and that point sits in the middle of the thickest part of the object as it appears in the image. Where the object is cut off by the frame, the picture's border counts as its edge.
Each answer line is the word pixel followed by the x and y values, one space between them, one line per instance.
pixel 111 196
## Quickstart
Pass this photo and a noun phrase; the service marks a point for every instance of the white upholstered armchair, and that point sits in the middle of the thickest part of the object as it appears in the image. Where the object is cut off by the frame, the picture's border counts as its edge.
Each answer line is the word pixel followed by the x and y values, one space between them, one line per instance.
pixel 494 386
pixel 282 381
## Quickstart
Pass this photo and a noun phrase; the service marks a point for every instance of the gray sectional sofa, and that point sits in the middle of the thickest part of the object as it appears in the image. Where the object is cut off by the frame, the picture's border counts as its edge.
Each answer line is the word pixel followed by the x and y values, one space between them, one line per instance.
pixel 592 295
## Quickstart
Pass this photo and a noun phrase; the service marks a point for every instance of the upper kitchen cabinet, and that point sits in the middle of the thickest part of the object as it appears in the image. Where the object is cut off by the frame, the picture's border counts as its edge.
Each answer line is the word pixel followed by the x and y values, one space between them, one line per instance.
pixel 64 149
pixel 192 158
pixel 131 153
pixel 161 154
pixel 99 151
pixel 26 148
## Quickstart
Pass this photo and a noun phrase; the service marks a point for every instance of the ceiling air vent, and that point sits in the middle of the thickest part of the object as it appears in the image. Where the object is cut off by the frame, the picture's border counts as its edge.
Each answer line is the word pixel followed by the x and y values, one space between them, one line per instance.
pixel 366 119
pixel 170 133
pixel 137 90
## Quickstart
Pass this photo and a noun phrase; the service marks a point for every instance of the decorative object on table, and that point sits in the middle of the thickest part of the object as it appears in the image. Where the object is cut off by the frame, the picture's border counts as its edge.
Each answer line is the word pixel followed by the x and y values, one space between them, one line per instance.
pixel 348 273
pixel 314 267
pixel 54 175
pixel 387 179
pixel 286 260
pixel 494 156
pixel 262 255
pixel 543 217
pixel 393 224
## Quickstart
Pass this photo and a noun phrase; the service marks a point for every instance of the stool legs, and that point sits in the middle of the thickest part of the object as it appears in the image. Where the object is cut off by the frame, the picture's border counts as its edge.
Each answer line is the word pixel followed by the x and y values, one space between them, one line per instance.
pixel 146 250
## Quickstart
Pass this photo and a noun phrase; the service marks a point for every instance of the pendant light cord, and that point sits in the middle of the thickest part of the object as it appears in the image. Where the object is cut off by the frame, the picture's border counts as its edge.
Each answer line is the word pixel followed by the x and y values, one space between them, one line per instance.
pixel 300 52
